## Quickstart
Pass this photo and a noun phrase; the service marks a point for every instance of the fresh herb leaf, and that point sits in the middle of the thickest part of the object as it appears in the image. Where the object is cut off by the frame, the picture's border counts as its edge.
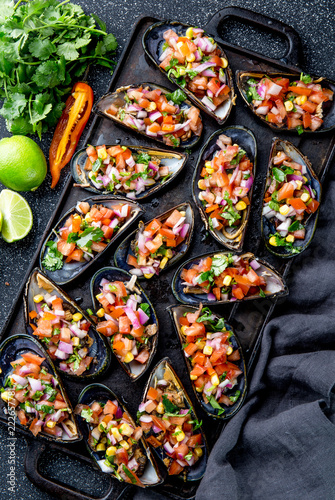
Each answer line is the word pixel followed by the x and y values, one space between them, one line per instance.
pixel 212 401
pixel 281 242
pixel 238 158
pixel 300 129
pixel 89 235
pixel 53 259
pixel 87 414
pixel 261 293
pixel 274 206
pixel 173 62
pixel 143 158
pixel 295 226
pixel 234 398
pixel 97 165
pixel 129 474
pixel 252 93
pixel 177 96
pixel 145 308
pixel 305 78
pixel 278 174
pixel 169 407
pixel 220 263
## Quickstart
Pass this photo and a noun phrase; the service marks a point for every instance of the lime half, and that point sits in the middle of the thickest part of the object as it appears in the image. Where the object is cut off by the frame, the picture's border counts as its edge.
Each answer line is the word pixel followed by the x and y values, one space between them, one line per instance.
pixel 17 217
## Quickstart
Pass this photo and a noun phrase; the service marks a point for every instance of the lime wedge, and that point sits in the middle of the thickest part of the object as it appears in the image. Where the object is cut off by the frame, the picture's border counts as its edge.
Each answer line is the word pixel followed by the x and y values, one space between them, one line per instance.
pixel 17 218
pixel 0 221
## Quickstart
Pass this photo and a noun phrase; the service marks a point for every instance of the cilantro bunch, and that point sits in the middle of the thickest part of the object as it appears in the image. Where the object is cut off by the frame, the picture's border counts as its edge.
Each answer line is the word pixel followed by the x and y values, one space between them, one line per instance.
pixel 45 46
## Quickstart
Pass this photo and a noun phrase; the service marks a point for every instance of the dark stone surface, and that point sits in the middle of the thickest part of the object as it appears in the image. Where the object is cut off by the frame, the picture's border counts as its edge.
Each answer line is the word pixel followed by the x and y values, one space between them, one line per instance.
pixel 314 23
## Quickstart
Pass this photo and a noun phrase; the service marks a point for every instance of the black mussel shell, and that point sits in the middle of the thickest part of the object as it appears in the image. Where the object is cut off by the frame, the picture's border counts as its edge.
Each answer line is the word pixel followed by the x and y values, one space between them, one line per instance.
pixel 328 107
pixel 247 141
pixel 176 312
pixel 276 285
pixel 117 98
pixel 311 221
pixel 72 270
pixel 122 251
pixel 37 284
pixel 153 41
pixel 196 472
pixel 134 369
pixel 101 394
pixel 11 349
pixel 174 160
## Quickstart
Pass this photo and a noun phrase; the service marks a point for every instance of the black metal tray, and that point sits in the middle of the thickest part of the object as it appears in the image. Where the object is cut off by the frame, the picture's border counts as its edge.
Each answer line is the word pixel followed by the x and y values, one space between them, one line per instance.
pixel 248 319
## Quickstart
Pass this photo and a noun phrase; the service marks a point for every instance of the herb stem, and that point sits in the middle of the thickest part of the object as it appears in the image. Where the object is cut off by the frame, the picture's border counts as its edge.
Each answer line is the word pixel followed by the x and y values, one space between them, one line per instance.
pixel 18 3
pixel 63 25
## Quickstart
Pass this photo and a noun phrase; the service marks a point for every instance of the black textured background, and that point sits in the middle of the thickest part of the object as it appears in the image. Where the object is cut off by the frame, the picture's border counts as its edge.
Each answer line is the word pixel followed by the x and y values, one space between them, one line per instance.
pixel 312 20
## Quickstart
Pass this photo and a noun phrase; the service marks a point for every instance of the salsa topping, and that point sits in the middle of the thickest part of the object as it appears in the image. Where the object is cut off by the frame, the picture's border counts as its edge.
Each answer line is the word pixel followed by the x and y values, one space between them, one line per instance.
pixel 39 403
pixel 118 169
pixel 196 62
pixel 225 184
pixel 64 333
pixel 156 243
pixel 225 277
pixel 297 104
pixel 114 436
pixel 85 234
pixel 209 350
pixel 167 422
pixel 289 199
pixel 126 320
pixel 159 115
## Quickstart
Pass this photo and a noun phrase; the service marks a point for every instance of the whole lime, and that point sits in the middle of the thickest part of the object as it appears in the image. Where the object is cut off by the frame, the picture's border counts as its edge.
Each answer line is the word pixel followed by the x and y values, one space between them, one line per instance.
pixel 23 166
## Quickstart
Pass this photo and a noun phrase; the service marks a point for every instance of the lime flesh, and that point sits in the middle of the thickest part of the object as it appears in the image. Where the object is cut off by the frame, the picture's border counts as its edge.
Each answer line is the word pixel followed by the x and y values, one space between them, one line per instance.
pixel 17 217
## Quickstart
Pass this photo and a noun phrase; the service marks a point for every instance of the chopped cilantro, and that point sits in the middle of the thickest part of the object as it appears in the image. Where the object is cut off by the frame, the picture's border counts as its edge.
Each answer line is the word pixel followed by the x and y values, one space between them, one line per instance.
pixel 212 401
pixel 177 96
pixel 300 129
pixel 295 226
pixel 261 293
pixel 305 78
pixel 234 398
pixel 169 407
pixel 97 165
pixel 53 259
pixel 238 158
pixel 281 242
pixel 87 413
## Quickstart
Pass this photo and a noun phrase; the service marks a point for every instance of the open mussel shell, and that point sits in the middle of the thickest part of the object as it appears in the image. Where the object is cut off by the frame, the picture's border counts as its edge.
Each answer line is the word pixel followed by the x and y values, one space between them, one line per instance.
pixel 101 394
pixel 72 270
pixel 232 238
pixel 38 284
pixel 310 223
pixel 11 349
pixel 197 471
pixel 134 369
pixel 328 107
pixel 177 312
pixel 175 161
pixel 276 285
pixel 117 99
pixel 125 248
pixel 153 42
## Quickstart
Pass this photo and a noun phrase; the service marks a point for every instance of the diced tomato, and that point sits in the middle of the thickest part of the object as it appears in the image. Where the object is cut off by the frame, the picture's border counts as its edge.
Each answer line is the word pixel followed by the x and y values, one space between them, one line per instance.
pixel 195 440
pixel 199 358
pixel 214 85
pixel 286 191
pixel 124 324
pixel 309 106
pixel 312 206
pixel 152 393
pixel 143 356
pixel 172 220
pixel 29 357
pixel 76 255
pixel 119 289
pixel 152 440
pixel 188 275
pixel 190 349
pixel 181 451
pixel 114 150
pixel 65 248
pixel 306 120
pixel 98 246
pixel 121 456
pixel 234 356
pixel 107 328
pixel 65 335
pixel 272 118
pixel 237 292
pixel 296 203
pixel 110 408
pixel 300 90
pixel 158 422
pixel 35 426
pixel 153 227
pixel 175 468
pixel 197 329
pixel 198 370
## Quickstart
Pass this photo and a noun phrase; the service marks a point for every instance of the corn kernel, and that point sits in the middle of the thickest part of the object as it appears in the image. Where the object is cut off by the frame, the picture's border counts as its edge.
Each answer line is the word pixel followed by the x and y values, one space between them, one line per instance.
pixel 6 396
pixel 148 276
pixel 198 389
pixel 160 408
pixel 193 377
pixel 88 218
pixel 190 58
pixel 51 424
pixel 241 205
pixel 75 341
pixel 163 262
pixel 180 436
pixel 189 33
pixel 102 153
pixel 284 209
pixel 215 380
pixel 168 253
pixel 116 434
pixel 111 451
pixel 189 65
pixel 208 350
pixel 200 343
pixel 126 430
pixel 99 296
pixel 182 71
pixel 208 164
pixel 124 444
pixel 299 184
pixel 230 176
pixel 103 440
pixel 288 105
pixel 128 357
pixel 224 62
pixel 102 426
pixel 77 317
pixel 182 213
pixel 202 184
pixel 101 447
pixel 101 313
pixel 300 100
pixel 38 298
pixel 227 280
pixel 152 106
pixel 209 170
pixel 273 241
pixel 229 350
pixel 304 179
pixel 183 328
pixel 305 197
pixel 198 451
pixel 290 238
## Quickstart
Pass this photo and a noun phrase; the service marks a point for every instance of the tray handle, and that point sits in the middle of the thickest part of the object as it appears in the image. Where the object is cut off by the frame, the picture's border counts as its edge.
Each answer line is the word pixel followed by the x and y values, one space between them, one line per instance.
pixel 293 55
pixel 35 448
